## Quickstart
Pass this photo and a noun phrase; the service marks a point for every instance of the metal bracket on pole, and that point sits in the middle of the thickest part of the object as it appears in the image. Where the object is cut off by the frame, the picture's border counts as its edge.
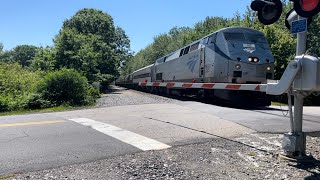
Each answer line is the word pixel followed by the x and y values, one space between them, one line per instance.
pixel 286 79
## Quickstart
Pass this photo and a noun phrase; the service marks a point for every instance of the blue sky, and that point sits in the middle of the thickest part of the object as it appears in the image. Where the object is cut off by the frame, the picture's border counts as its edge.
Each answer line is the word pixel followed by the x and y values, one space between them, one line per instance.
pixel 36 22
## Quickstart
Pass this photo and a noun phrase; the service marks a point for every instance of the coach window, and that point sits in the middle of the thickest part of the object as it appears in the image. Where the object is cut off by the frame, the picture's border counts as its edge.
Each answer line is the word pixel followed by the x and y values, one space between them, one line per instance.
pixel 159 61
pixel 159 76
pixel 194 46
pixel 181 52
pixel 186 50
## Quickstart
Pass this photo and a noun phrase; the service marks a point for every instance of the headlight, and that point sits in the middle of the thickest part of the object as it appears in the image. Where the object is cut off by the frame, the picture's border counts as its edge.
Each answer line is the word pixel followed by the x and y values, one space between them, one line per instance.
pixel 256 60
pixel 250 59
pixel 268 68
pixel 238 66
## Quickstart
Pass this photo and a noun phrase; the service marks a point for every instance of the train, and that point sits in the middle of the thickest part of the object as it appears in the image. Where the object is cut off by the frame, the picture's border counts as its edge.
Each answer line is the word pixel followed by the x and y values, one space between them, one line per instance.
pixel 236 55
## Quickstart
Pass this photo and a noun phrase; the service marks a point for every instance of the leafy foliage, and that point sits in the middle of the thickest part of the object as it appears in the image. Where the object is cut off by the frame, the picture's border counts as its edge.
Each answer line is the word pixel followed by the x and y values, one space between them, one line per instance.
pixel 65 86
pixel 104 81
pixel 23 54
pixel 89 43
pixel 36 101
pixel 44 59
pixel 16 85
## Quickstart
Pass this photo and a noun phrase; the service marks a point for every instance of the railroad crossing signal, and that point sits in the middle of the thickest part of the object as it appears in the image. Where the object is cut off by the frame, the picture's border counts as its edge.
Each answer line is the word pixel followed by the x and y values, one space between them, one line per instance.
pixel 306 8
pixel 269 11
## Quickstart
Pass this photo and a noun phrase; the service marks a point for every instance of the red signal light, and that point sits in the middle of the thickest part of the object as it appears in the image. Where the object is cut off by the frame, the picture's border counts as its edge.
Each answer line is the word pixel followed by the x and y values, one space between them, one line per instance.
pixel 306 8
pixel 309 5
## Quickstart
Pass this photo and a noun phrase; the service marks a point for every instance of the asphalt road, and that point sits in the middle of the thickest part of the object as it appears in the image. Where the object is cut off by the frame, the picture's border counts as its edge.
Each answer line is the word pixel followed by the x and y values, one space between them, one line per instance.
pixel 41 141
pixel 56 142
pixel 273 119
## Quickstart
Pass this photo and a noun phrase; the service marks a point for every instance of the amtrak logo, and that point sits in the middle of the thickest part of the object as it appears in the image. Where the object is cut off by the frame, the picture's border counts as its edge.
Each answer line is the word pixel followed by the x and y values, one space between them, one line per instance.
pixel 192 64
pixel 249 50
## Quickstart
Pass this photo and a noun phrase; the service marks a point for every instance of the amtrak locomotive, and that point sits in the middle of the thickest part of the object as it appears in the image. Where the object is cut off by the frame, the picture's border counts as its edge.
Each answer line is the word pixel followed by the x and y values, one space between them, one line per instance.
pixel 230 55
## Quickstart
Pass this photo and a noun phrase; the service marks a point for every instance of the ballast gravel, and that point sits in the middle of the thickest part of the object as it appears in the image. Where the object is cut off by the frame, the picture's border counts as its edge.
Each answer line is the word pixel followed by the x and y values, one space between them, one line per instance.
pixel 119 96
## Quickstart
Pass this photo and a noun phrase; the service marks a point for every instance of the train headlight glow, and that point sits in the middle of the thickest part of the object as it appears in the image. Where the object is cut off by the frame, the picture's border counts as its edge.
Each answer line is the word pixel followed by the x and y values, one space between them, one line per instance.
pixel 250 59
pixel 238 66
pixel 256 60
pixel 268 68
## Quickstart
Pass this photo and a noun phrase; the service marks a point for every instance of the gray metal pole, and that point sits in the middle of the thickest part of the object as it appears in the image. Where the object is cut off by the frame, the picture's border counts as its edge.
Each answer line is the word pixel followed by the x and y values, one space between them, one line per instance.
pixel 298 98
pixel 298 112
pixel 290 109
pixel 301 43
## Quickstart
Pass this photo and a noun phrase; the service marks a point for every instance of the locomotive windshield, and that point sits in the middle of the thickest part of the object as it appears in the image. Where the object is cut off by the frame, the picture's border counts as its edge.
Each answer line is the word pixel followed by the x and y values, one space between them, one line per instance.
pixel 256 38
pixel 237 39
pixel 234 36
pixel 251 37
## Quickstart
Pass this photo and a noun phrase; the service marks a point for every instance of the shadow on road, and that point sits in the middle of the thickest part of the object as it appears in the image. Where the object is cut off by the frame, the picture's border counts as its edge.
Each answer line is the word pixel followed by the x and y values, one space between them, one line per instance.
pixel 114 90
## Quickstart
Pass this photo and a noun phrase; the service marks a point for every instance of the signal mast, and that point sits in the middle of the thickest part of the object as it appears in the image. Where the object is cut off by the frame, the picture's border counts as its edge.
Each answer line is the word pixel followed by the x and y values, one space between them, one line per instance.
pixel 304 68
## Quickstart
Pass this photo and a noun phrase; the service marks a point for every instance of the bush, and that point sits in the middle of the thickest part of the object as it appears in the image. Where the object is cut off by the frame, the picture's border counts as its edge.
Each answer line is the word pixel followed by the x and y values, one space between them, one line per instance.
pixel 65 86
pixel 4 105
pixel 104 80
pixel 16 85
pixel 94 92
pixel 36 101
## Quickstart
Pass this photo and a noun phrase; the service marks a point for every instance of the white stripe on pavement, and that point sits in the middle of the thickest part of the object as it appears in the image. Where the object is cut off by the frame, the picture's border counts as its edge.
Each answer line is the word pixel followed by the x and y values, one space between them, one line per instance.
pixel 123 135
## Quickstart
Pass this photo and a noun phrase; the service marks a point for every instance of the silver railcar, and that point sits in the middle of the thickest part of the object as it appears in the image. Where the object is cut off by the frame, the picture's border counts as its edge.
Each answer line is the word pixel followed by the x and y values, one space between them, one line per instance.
pixel 124 81
pixel 142 75
pixel 230 55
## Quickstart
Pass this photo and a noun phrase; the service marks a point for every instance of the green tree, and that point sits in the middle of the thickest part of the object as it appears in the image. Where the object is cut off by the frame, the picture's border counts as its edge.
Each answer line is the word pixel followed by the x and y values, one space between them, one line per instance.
pixel 24 54
pixel 1 48
pixel 313 37
pixel 89 43
pixel 122 46
pixel 44 59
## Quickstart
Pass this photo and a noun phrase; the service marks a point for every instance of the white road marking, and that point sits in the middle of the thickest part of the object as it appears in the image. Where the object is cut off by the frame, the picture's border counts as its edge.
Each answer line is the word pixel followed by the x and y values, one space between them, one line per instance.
pixel 123 135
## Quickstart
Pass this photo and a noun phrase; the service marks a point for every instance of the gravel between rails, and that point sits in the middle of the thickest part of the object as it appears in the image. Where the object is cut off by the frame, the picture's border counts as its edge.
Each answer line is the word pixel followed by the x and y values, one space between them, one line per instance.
pixel 252 156
pixel 118 96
